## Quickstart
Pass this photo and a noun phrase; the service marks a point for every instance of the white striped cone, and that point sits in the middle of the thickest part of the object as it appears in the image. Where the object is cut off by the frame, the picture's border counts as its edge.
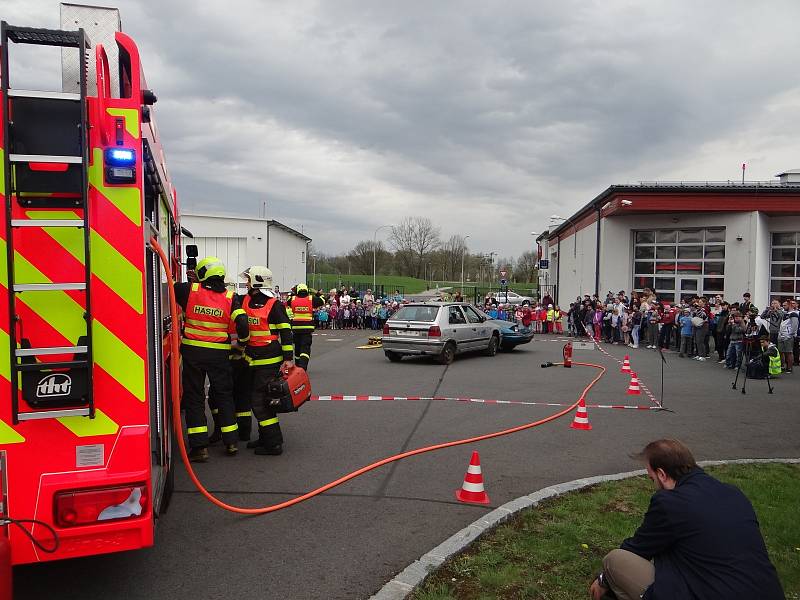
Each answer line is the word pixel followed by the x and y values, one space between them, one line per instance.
pixel 626 365
pixel 472 490
pixel 633 388
pixel 581 420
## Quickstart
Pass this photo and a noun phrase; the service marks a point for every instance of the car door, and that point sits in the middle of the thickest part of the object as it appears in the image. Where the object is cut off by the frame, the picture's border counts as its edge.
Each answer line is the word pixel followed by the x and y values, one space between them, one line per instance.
pixel 479 329
pixel 458 328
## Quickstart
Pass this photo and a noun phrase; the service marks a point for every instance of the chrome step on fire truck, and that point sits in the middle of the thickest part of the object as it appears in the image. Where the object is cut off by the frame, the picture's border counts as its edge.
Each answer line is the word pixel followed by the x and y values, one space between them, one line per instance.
pixel 85 425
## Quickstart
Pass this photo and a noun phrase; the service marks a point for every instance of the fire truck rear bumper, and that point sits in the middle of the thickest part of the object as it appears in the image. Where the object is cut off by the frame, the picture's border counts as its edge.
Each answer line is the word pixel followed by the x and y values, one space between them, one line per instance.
pixel 127 466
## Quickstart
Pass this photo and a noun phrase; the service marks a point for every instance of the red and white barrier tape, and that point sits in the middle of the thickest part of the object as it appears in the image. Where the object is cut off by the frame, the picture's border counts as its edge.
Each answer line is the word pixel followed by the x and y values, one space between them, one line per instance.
pixel 344 398
pixel 644 388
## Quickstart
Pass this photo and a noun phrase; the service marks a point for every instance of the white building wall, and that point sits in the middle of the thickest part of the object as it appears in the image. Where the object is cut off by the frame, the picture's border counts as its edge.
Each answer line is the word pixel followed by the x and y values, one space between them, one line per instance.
pixel 239 242
pixel 287 258
pixel 747 260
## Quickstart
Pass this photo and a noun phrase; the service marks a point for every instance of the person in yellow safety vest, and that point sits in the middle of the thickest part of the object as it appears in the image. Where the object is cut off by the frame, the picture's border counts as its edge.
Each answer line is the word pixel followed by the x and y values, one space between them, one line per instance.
pixel 300 308
pixel 269 350
pixel 770 357
pixel 241 391
pixel 551 317
pixel 209 308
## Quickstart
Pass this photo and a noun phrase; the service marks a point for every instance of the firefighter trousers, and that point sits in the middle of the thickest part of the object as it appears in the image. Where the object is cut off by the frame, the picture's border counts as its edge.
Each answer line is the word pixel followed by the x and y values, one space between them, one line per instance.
pixel 302 347
pixel 269 429
pixel 216 366
pixel 241 399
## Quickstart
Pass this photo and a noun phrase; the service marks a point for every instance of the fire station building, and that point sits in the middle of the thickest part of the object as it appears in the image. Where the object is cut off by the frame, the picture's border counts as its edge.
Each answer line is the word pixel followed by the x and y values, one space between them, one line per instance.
pixel 680 239
pixel 244 241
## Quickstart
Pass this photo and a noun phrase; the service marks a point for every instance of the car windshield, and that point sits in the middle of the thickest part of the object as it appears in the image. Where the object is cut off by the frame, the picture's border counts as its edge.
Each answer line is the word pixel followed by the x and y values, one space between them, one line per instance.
pixel 416 313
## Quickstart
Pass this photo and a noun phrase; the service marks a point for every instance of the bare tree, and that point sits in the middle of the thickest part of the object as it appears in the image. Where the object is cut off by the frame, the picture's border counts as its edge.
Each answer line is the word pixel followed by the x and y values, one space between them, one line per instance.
pixel 452 252
pixel 361 257
pixel 525 270
pixel 413 238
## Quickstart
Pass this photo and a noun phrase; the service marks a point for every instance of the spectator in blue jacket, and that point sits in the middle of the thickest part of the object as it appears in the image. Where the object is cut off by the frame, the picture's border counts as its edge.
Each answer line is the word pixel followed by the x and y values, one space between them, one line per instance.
pixel 699 540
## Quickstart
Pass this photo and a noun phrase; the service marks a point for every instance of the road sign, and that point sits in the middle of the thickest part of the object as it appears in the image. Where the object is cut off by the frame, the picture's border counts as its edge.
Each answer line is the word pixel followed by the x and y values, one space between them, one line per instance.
pixel 504 282
pixel 503 273
pixel 544 264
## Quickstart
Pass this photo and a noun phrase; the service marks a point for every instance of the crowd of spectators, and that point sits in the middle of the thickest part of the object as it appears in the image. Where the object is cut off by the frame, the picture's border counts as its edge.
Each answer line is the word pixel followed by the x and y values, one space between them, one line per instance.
pixel 690 327
pixel 696 328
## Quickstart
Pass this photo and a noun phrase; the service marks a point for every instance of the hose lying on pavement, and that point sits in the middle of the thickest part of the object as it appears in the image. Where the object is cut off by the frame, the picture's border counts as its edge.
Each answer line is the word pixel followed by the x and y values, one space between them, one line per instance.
pixel 176 420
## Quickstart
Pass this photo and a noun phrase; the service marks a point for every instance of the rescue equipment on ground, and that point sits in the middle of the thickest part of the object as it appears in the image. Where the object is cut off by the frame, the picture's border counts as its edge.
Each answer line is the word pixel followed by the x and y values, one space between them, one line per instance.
pixel 289 391
pixel 567 354
pixel 472 491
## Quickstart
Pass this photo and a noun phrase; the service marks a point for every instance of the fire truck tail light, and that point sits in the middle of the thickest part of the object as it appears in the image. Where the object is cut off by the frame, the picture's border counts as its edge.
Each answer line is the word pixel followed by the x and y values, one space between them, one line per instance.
pixel 87 507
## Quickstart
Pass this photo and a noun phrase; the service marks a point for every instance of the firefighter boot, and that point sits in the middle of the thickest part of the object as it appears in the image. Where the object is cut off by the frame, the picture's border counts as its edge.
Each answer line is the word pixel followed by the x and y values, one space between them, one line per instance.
pixel 198 454
pixel 231 449
pixel 271 451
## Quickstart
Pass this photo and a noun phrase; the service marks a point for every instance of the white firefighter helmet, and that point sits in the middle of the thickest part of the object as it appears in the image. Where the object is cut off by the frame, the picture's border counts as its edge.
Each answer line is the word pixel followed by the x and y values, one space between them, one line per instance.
pixel 258 277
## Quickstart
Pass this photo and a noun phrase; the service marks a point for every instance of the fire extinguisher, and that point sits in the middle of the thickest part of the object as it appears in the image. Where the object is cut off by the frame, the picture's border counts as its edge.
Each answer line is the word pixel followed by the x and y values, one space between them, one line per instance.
pixel 568 354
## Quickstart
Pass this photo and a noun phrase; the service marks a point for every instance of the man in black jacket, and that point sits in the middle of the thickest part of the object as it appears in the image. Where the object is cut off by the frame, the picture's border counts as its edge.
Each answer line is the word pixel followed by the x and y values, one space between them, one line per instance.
pixel 700 539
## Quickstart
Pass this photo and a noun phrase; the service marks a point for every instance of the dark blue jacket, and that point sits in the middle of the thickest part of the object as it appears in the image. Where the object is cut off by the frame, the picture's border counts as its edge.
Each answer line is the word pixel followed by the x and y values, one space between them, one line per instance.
pixel 704 540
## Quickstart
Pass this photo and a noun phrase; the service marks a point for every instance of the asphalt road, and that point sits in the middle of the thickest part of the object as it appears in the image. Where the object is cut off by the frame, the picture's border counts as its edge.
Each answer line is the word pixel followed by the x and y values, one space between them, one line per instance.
pixel 351 540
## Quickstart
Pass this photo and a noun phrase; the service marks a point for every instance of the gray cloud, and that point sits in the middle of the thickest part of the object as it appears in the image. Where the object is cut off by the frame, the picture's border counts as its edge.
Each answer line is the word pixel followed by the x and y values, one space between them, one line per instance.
pixel 485 117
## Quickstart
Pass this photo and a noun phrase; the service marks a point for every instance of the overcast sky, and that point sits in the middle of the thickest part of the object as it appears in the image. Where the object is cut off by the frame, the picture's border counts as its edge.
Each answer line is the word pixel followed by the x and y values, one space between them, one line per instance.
pixel 486 117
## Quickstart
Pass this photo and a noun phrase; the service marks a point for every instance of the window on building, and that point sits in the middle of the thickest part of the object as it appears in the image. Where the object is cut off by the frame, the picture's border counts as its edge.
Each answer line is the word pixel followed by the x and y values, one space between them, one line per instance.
pixel 784 270
pixel 680 263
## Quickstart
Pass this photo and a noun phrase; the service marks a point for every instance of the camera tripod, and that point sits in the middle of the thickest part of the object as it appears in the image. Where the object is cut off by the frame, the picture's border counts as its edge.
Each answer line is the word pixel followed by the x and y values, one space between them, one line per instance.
pixel 747 356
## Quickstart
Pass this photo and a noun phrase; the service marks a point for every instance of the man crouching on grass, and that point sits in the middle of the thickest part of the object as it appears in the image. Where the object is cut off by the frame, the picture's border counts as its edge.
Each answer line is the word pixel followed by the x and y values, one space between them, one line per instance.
pixel 699 539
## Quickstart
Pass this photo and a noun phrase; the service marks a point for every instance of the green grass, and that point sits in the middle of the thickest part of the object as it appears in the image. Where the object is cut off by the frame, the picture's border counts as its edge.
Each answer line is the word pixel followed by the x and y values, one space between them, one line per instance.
pixel 540 553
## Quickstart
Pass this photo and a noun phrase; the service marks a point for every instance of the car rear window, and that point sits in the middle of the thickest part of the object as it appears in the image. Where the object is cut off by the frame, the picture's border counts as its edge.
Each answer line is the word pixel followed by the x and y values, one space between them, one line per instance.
pixel 416 313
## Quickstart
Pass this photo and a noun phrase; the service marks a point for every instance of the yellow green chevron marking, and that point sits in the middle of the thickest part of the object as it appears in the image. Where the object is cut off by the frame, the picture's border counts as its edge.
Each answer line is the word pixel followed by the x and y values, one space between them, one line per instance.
pixel 119 361
pixel 65 315
pixel 110 266
pixel 2 173
pixel 86 427
pixel 131 116
pixel 126 198
pixel 5 356
pixel 8 435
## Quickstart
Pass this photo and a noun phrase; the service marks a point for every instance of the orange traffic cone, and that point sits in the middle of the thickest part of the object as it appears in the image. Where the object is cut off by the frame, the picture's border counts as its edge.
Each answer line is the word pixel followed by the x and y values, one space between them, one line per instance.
pixel 472 489
pixel 626 365
pixel 581 420
pixel 633 388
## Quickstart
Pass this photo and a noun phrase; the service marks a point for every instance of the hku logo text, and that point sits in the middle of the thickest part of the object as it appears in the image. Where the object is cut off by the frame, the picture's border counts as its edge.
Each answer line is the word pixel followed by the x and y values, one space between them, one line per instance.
pixel 208 310
pixel 56 384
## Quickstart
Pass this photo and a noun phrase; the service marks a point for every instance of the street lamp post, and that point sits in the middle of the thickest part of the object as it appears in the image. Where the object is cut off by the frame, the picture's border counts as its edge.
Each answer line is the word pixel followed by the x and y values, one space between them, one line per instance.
pixel 314 271
pixel 374 259
pixel 462 265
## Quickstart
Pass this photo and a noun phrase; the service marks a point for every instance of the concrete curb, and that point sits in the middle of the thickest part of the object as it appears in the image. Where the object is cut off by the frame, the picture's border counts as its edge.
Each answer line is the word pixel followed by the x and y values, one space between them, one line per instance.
pixel 415 574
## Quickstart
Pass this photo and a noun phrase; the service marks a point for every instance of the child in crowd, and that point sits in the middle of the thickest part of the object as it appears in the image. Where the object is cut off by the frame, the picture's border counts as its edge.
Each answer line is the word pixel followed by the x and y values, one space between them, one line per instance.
pixel 322 317
pixel 686 333
pixel 557 320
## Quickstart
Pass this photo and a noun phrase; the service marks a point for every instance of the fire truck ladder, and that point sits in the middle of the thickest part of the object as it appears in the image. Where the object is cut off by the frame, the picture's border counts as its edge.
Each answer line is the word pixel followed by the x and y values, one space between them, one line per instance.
pixel 46 166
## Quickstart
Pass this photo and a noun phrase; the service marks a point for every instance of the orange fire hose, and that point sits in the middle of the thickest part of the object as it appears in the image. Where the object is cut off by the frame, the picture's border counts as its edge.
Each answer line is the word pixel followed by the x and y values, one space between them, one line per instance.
pixel 176 421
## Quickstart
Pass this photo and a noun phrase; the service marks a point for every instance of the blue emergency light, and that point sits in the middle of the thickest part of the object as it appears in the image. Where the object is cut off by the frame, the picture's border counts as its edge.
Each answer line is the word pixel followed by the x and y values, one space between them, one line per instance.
pixel 120 157
pixel 120 165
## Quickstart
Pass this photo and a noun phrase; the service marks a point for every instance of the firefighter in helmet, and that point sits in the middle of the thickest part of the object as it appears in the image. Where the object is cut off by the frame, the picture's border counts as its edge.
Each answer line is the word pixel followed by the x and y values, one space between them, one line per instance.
pixel 268 351
pixel 300 308
pixel 209 308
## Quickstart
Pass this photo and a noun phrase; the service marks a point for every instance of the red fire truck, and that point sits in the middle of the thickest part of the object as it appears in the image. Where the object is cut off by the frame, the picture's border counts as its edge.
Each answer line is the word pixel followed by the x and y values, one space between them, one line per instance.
pixel 85 414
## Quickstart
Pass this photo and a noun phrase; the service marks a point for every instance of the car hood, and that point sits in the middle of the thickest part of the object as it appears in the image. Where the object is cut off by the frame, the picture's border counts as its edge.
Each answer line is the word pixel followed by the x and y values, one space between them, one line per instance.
pixel 502 324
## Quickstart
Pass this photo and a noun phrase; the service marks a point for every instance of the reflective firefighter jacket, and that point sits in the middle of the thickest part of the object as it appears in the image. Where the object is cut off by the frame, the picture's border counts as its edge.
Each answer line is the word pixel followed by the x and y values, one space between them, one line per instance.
pixel 209 309
pixel 272 324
